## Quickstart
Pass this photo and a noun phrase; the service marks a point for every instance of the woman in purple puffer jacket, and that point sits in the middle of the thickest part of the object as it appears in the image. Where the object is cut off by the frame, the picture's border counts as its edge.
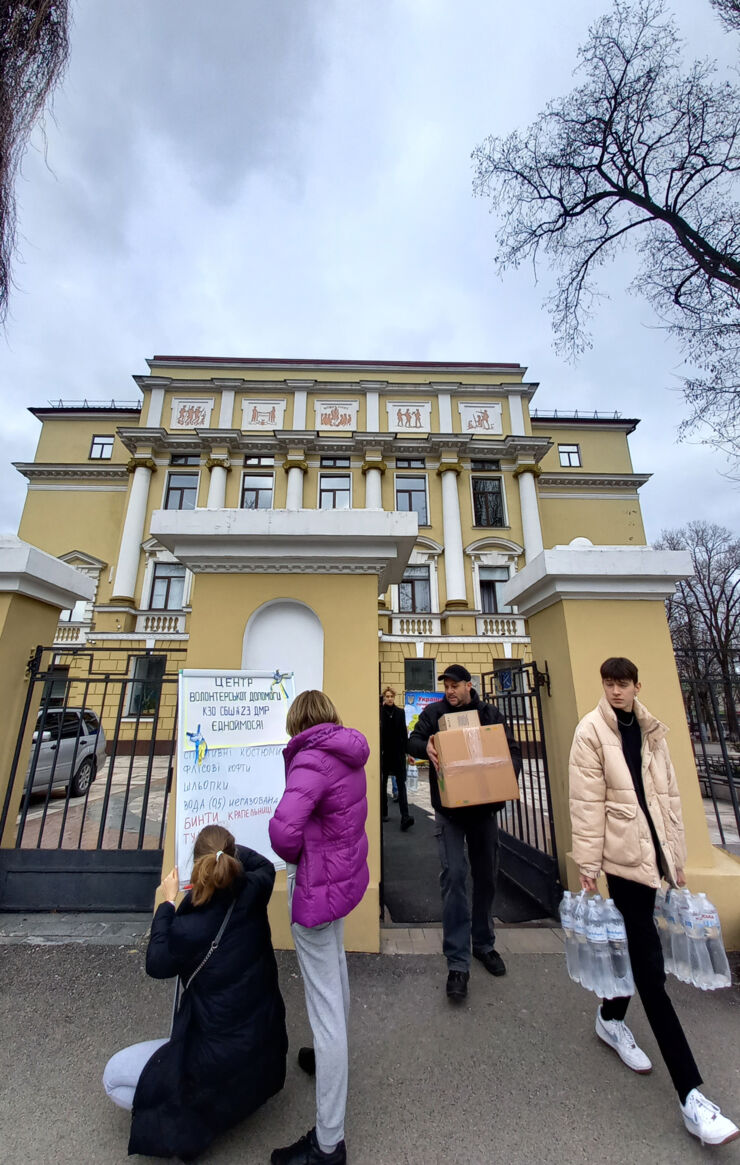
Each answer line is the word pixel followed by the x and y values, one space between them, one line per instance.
pixel 319 830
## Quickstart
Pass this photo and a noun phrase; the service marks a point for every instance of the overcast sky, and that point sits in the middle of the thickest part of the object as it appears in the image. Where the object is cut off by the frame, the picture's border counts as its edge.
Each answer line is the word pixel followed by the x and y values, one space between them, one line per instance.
pixel 292 178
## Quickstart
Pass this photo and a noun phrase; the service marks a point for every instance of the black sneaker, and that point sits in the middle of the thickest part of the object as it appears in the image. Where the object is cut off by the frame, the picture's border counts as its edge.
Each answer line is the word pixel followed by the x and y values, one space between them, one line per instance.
pixel 406 823
pixel 457 985
pixel 492 961
pixel 306 1151
pixel 307 1060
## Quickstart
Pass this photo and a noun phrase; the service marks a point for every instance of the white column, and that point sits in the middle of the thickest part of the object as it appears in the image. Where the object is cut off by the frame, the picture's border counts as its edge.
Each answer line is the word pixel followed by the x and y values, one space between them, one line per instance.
pixel 217 486
pixel 294 499
pixel 373 489
pixel 531 528
pixel 299 408
pixel 445 412
pixel 154 414
pixel 372 418
pixel 124 585
pixel 452 527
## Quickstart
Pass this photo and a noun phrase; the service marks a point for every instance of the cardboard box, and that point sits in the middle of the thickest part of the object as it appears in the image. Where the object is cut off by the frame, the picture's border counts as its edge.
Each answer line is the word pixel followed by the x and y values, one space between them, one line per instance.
pixel 465 718
pixel 475 766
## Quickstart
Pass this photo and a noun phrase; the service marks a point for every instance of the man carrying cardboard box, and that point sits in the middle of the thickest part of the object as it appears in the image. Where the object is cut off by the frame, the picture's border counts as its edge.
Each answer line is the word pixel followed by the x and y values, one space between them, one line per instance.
pixel 474 824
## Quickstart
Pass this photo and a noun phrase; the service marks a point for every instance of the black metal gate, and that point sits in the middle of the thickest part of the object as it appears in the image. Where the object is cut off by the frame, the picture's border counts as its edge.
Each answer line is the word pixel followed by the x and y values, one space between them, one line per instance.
pixel 526 827
pixel 89 832
pixel 712 704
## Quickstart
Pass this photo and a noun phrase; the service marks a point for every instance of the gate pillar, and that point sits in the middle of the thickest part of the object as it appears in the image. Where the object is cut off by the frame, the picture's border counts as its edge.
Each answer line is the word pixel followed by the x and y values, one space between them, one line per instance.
pixel 584 603
pixel 34 588
pixel 332 562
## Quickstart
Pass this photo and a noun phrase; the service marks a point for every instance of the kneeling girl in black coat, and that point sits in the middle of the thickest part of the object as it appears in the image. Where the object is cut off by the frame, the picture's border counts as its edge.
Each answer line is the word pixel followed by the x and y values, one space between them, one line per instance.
pixel 226 1053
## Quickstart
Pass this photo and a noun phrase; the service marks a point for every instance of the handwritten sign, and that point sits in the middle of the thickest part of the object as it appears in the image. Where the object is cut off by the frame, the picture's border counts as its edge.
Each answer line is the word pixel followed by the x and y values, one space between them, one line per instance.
pixel 230 771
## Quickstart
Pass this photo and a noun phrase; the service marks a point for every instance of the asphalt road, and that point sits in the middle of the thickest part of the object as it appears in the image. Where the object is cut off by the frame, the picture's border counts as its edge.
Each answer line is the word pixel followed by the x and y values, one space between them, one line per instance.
pixel 516 1076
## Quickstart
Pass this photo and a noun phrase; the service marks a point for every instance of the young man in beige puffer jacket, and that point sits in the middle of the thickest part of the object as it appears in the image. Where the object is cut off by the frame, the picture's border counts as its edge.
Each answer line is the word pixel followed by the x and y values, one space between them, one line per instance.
pixel 626 818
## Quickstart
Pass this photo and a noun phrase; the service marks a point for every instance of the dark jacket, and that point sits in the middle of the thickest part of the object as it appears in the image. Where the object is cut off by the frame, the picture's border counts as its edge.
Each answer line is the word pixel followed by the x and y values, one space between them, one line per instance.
pixel 426 726
pixel 226 1054
pixel 393 741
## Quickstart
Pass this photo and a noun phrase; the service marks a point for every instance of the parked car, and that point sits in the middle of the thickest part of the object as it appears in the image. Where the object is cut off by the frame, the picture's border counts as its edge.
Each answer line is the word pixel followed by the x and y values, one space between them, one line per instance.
pixel 70 752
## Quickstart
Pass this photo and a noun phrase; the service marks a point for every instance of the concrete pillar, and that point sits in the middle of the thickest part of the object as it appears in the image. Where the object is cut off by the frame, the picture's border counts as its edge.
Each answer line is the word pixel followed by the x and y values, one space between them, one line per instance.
pixel 452 527
pixel 531 526
pixel 584 603
pixel 373 469
pixel 219 467
pixel 295 467
pixel 127 568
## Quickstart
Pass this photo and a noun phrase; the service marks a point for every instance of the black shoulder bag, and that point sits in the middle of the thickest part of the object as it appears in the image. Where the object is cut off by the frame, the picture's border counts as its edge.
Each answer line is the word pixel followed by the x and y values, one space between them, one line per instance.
pixel 182 987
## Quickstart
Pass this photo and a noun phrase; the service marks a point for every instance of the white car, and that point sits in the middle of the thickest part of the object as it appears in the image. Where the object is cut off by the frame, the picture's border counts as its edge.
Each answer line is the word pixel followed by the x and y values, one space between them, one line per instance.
pixel 70 750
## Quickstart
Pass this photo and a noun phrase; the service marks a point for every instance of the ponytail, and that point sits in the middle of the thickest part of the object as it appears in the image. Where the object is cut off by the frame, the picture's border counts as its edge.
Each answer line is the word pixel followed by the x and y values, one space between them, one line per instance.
pixel 215 864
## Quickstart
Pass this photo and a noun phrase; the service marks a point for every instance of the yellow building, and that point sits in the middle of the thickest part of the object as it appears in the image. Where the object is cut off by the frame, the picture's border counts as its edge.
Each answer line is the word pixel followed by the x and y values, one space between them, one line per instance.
pixel 490 481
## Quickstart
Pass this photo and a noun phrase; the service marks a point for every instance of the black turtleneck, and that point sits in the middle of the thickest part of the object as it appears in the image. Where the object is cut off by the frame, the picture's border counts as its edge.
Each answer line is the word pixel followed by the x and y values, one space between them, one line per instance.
pixel 629 730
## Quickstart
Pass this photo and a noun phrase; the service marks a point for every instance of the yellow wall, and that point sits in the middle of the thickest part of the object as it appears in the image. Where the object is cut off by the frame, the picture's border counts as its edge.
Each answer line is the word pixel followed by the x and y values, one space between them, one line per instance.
pixel 24 623
pixel 59 521
pixel 602 450
pixel 605 521
pixel 575 636
pixel 69 440
pixel 347 608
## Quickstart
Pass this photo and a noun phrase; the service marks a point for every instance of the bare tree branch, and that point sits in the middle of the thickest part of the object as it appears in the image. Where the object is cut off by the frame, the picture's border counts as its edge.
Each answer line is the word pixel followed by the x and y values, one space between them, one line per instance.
pixel 33 53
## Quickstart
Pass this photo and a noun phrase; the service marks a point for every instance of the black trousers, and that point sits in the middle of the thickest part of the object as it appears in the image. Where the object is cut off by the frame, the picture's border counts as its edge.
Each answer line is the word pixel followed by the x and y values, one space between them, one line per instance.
pixel 403 801
pixel 637 902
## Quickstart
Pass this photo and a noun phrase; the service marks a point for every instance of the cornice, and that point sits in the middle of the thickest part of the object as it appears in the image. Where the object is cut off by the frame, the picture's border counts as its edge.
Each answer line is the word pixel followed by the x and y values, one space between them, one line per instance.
pixel 631 481
pixel 41 471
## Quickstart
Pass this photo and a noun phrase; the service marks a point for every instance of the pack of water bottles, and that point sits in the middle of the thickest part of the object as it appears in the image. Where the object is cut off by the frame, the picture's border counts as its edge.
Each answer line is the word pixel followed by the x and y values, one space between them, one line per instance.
pixel 691 938
pixel 596 945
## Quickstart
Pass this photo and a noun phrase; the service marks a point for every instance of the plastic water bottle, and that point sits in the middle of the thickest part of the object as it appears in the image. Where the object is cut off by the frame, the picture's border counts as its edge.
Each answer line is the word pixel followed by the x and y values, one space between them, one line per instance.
pixel 583 968
pixel 712 934
pixel 601 966
pixel 679 938
pixel 618 952
pixel 661 922
pixel 567 905
pixel 412 778
pixel 702 974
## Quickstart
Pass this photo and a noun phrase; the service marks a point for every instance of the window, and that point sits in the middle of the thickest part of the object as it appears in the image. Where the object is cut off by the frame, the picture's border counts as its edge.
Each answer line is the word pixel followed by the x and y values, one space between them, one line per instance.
pixel 492 579
pixel 145 685
pixel 335 491
pixel 185 459
pixel 411 496
pixel 414 593
pixel 55 686
pixel 481 464
pixel 410 463
pixel 488 502
pixel 168 584
pixel 101 449
pixel 257 491
pixel 259 460
pixel 570 456
pixel 335 462
pixel 419 675
pixel 182 491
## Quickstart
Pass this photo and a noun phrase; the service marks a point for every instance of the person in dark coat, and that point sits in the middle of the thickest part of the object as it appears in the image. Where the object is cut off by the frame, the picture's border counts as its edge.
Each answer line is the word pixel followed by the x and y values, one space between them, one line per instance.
pixel 227 1050
pixel 475 825
pixel 393 741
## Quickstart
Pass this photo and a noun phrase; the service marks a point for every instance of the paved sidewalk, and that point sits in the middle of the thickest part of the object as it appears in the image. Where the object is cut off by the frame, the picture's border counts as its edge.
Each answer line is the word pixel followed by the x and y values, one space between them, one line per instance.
pixel 515 1076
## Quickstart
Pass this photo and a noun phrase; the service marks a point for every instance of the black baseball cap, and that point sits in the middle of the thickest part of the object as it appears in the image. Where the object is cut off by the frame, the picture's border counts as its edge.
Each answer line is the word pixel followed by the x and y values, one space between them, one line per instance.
pixel 455 672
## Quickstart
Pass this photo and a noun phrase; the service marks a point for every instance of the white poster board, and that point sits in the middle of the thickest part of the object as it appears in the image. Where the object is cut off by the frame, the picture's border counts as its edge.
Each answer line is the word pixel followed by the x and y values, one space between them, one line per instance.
pixel 230 770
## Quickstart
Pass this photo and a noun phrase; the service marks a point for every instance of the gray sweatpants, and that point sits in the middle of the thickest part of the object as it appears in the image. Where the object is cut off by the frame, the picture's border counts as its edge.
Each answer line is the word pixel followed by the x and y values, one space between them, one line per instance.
pixel 321 957
pixel 123 1070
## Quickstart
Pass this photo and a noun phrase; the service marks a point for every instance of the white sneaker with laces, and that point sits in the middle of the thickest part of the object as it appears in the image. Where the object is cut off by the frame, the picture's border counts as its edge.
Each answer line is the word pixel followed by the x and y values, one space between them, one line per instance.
pixel 704 1120
pixel 618 1036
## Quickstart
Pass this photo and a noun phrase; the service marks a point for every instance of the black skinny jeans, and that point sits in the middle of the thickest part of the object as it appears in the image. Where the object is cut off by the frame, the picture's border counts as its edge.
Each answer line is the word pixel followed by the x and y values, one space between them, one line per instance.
pixel 637 903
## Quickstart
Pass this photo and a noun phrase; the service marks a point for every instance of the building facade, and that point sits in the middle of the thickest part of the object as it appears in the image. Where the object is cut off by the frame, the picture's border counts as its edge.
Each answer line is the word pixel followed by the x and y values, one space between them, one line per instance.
pixel 491 482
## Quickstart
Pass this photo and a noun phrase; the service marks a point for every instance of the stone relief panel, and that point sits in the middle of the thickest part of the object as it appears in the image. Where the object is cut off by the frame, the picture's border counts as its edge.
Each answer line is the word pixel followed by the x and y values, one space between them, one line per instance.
pixel 188 413
pixel 483 417
pixel 263 414
pixel 336 414
pixel 409 416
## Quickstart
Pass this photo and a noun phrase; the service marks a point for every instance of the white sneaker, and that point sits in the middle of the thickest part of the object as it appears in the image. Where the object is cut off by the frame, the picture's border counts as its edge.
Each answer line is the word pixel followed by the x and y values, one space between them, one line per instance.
pixel 704 1120
pixel 618 1036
